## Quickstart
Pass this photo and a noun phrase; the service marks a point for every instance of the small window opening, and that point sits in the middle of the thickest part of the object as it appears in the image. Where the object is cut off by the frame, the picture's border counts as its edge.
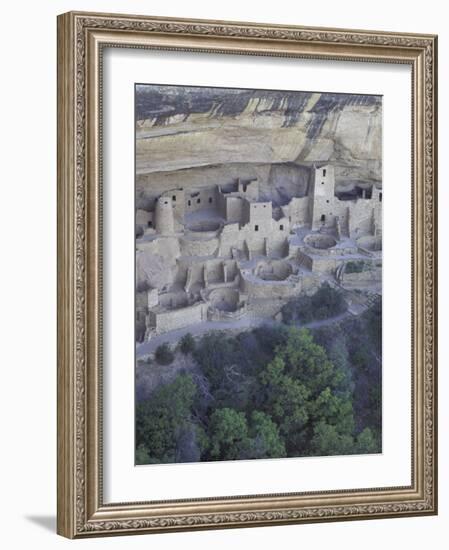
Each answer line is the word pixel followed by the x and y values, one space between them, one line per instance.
pixel 256 228
pixel 150 224
pixel 324 172
pixel 323 218
pixel 198 201
pixel 380 197
pixel 165 202
pixel 210 200
pixel 281 227
pixel 173 198
pixel 189 203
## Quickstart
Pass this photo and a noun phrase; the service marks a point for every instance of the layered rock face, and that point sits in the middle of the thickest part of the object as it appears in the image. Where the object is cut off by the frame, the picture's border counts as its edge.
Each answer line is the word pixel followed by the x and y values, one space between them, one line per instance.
pixel 202 136
pixel 195 137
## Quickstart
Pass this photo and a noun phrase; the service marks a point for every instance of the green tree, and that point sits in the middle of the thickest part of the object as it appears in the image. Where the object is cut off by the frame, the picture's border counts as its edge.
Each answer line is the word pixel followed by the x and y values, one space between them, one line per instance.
pixel 164 354
pixel 332 338
pixel 187 344
pixel 366 442
pixel 265 439
pixel 162 419
pixel 335 410
pixel 302 388
pixel 191 442
pixel 142 455
pixel 308 363
pixel 228 434
pixel 291 405
pixel 273 374
pixel 286 400
pixel 326 441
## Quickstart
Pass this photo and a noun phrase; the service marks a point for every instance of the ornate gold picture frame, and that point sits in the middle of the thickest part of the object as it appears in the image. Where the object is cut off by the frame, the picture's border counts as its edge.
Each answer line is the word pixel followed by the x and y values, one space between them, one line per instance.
pixel 82 40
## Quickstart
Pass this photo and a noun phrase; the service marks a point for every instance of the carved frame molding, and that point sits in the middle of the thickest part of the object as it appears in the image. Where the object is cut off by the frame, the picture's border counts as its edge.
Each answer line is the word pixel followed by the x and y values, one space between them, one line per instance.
pixel 81 39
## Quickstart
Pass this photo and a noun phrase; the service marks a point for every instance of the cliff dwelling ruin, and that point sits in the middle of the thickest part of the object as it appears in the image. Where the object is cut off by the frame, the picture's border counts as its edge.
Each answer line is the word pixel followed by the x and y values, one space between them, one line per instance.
pixel 226 254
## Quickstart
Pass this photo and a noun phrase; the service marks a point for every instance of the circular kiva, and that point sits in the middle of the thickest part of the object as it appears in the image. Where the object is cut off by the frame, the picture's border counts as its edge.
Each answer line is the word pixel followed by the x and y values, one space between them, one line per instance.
pixel 273 271
pixel 224 299
pixel 320 242
pixel 202 231
pixel 204 226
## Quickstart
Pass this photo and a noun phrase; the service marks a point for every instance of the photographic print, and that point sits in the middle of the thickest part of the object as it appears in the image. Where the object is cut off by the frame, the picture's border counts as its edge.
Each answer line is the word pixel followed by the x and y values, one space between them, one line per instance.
pixel 258 270
pixel 232 328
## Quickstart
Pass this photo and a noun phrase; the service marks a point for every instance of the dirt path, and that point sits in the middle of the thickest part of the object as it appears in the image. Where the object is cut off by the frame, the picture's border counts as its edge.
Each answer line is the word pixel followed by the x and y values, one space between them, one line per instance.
pixel 200 328
pixel 246 323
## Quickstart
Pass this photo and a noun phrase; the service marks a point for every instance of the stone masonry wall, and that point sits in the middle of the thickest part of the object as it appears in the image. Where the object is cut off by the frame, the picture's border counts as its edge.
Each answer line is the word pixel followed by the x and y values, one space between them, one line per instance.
pixel 179 318
pixel 234 210
pixel 298 210
pixel 198 199
pixel 260 289
pixel 361 218
pixel 190 247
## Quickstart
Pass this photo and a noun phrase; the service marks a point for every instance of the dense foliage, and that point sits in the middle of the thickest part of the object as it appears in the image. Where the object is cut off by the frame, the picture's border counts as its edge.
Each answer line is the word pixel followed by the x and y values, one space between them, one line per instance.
pixel 275 391
pixel 355 266
pixel 325 303
pixel 164 355
pixel 186 344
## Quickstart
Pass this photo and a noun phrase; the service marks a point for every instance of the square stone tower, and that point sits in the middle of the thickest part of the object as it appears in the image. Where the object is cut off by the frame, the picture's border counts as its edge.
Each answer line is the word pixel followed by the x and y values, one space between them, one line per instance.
pixel 260 218
pixel 322 196
pixel 164 221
